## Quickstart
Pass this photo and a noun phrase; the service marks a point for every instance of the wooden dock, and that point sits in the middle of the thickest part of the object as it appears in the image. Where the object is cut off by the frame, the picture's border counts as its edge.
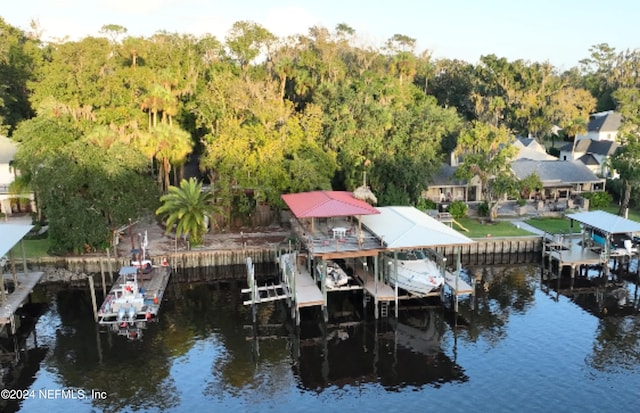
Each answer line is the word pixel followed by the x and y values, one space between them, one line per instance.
pixel 307 292
pixel 14 300
pixel 571 253
pixel 457 286
pixel 379 291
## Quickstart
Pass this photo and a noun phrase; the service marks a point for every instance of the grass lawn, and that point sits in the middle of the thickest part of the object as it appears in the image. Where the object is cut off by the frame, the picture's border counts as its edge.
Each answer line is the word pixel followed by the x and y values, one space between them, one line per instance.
pixel 634 215
pixel 553 225
pixel 496 229
pixel 33 248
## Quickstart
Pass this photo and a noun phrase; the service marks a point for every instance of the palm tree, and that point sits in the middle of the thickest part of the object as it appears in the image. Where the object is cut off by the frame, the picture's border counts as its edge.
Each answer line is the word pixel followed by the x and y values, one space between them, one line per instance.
pixel 168 144
pixel 188 207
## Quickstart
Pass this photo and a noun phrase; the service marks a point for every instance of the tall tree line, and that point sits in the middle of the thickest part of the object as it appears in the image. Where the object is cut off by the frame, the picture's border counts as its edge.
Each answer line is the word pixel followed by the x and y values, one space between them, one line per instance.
pixel 261 115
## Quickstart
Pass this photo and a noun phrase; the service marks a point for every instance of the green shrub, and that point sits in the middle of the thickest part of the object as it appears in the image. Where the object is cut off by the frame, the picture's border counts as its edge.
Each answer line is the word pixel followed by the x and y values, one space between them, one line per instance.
pixel 483 209
pixel 458 209
pixel 521 202
pixel 424 204
pixel 598 200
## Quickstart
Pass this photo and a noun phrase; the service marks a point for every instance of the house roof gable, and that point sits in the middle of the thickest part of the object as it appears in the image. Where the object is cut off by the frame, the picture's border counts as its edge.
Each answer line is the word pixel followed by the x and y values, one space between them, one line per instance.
pixel 605 148
pixel 554 171
pixel 608 121
pixel 445 176
pixel 588 159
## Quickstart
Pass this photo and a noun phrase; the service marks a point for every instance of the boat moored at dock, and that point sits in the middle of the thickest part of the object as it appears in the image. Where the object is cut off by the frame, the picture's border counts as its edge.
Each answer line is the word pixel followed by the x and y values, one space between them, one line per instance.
pixel 135 298
pixel 415 272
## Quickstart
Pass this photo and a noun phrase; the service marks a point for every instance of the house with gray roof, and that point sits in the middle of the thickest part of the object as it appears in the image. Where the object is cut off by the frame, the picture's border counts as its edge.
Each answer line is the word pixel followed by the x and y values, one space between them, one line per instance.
pixel 445 187
pixel 602 126
pixel 597 145
pixel 560 179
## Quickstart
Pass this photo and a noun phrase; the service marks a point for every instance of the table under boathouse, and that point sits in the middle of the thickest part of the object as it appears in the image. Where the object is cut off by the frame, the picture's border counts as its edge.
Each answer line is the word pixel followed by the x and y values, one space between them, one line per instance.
pixel 23 284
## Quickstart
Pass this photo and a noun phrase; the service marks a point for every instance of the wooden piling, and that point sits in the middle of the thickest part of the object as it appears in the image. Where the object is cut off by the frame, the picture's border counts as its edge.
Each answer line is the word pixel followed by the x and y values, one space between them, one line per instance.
pixel 104 285
pixel 109 265
pixel 93 298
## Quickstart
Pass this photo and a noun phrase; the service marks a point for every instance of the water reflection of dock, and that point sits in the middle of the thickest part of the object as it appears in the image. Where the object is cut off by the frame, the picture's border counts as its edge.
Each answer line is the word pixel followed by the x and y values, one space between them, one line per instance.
pixel 393 353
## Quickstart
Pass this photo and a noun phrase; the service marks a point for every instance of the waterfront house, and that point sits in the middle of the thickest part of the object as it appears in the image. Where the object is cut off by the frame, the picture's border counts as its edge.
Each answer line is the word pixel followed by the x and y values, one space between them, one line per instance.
pixel 445 187
pixel 597 145
pixel 561 180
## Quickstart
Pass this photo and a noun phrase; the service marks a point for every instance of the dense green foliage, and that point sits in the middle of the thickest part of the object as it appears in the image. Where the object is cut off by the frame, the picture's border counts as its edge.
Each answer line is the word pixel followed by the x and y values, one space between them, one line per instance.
pixel 598 200
pixel 261 116
pixel 458 209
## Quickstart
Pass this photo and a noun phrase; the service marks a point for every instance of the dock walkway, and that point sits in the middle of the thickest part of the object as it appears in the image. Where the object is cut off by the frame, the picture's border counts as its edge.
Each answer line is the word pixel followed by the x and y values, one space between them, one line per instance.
pixel 459 286
pixel 25 286
pixel 572 254
pixel 307 292
pixel 379 291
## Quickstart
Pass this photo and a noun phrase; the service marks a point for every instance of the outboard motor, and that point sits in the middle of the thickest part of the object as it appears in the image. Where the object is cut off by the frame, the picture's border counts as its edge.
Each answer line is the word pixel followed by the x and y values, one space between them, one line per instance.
pixel 121 313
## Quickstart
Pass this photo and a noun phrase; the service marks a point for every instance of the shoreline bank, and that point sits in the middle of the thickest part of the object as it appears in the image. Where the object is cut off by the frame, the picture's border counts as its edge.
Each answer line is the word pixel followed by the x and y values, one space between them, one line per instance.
pixel 485 251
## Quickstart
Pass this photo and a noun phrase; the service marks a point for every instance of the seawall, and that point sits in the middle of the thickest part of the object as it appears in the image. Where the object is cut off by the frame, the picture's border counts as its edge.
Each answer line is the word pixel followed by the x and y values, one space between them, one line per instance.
pixel 485 251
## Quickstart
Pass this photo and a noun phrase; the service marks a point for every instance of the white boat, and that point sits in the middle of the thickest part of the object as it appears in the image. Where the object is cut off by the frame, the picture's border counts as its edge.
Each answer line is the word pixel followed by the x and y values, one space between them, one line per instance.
pixel 125 300
pixel 416 273
pixel 336 277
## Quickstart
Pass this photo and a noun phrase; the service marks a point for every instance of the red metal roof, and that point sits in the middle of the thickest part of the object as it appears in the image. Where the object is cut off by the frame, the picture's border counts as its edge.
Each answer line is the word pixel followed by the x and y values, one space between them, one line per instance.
pixel 325 204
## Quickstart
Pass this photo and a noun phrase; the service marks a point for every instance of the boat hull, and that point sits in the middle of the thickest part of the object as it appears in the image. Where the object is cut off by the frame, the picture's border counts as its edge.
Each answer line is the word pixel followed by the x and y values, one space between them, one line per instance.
pixel 137 302
pixel 336 276
pixel 419 277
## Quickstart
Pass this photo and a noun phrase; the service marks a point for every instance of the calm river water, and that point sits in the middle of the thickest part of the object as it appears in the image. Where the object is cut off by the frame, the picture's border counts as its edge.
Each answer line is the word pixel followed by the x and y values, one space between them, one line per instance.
pixel 524 348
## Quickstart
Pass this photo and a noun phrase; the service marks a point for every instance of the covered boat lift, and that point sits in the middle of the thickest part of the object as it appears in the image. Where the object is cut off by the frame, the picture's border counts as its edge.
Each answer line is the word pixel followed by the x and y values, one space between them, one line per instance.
pixel 324 223
pixel 10 235
pixel 404 227
pixel 611 234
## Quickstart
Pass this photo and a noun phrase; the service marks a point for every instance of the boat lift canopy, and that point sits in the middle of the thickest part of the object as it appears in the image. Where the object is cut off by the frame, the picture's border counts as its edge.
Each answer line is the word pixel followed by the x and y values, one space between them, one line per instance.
pixel 403 227
pixel 606 222
pixel 10 235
